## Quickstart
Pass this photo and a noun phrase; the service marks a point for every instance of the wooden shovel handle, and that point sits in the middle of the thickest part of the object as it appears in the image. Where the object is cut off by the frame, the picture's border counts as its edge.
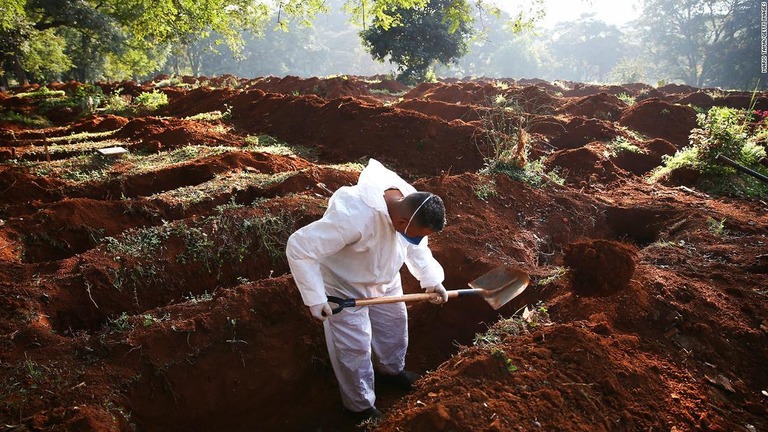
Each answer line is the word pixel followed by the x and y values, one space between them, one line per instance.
pixel 344 303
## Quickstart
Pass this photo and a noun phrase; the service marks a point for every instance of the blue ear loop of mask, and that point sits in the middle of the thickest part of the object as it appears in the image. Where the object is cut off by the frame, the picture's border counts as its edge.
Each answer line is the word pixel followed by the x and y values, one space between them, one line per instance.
pixel 414 240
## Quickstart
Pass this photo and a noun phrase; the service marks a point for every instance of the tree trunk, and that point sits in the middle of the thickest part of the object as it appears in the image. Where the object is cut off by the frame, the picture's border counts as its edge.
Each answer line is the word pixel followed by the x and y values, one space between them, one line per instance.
pixel 194 60
pixel 18 70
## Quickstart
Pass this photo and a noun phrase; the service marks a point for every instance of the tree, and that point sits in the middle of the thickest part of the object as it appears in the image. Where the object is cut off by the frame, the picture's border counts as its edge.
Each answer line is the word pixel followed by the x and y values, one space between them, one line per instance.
pixel 683 36
pixel 438 31
pixel 115 39
pixel 587 48
pixel 10 12
pixel 734 61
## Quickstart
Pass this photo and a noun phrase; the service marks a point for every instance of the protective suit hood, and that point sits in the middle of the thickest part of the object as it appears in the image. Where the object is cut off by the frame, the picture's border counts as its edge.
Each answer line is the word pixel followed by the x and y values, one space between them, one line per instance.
pixel 374 180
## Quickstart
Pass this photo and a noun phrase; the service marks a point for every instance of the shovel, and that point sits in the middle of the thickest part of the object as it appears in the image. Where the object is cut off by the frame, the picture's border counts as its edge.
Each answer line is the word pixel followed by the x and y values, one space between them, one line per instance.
pixel 497 287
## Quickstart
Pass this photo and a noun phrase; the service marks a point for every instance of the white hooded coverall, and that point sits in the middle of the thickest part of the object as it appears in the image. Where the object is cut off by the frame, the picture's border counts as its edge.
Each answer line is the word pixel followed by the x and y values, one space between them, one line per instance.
pixel 353 251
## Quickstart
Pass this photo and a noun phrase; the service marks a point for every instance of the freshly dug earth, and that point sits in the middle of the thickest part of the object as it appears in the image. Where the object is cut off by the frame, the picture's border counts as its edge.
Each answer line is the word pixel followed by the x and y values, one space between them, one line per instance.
pixel 151 292
pixel 599 267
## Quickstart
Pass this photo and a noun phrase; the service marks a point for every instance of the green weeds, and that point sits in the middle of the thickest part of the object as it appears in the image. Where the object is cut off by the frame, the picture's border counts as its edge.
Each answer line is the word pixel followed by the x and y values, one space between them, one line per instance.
pixel 272 145
pixel 556 275
pixel 627 99
pixel 486 189
pixel 217 242
pixel 522 322
pixel 728 132
pixel 715 226
pixel 621 144
pixel 32 121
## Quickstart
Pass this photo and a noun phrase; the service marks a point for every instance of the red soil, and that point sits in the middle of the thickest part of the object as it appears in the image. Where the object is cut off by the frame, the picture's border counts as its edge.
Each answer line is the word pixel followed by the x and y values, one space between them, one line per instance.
pixel 188 318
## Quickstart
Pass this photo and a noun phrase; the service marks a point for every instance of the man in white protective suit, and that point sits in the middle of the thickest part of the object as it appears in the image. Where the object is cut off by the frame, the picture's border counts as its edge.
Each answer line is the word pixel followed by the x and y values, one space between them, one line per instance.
pixel 356 250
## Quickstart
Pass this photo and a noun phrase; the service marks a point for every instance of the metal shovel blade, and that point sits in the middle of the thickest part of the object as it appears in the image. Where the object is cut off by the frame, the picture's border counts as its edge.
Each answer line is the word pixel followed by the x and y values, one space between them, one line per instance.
pixel 501 285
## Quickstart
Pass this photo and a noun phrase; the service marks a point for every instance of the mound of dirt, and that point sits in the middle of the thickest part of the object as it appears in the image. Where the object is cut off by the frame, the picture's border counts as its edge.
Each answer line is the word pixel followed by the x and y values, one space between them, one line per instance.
pixel 173 133
pixel 580 90
pixel 127 88
pixel 463 93
pixel 580 130
pixel 388 85
pixel 602 106
pixel 649 157
pixel 599 267
pixel 660 119
pixel 99 123
pixel 443 110
pixel 533 100
pixel 698 99
pixel 18 186
pixel 329 88
pixel 344 129
pixel 200 100
pixel 584 165
pixel 670 89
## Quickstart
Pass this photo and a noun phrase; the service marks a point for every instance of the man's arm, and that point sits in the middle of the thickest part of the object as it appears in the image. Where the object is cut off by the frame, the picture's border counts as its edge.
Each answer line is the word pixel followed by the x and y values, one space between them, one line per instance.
pixel 309 244
pixel 424 267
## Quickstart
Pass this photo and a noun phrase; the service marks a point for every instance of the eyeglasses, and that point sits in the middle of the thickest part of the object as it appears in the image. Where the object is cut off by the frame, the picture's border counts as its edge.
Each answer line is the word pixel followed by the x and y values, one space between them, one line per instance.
pixel 415 240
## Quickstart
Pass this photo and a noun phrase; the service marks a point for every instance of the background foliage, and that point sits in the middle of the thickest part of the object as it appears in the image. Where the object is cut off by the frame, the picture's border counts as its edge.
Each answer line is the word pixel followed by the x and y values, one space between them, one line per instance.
pixel 704 43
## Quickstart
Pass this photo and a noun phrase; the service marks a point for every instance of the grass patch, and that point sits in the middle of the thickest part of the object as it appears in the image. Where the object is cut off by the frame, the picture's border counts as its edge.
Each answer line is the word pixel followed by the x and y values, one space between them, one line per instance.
pixel 227 239
pixel 229 182
pixel 620 145
pixel 80 137
pixel 533 173
pixel 556 275
pixel 521 322
pixel 42 93
pixel 67 149
pixel 31 121
pixel 486 189
pixel 272 145
pixel 77 169
pixel 627 99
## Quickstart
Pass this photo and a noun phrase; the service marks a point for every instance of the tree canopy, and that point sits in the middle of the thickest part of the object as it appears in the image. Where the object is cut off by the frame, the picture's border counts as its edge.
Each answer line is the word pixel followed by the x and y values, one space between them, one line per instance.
pixel 438 31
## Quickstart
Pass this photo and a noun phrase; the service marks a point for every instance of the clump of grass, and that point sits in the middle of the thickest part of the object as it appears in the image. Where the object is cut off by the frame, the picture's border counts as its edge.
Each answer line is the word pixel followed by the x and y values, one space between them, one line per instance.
pixel 32 121
pixel 558 273
pixel 151 101
pixel 485 189
pixel 533 173
pixel 219 241
pixel 518 324
pixel 715 226
pixel 42 93
pixel 505 145
pixel 522 322
pixel 621 144
pixel 80 137
pixel 118 324
pixel 269 144
pixel 627 99
pixel 229 182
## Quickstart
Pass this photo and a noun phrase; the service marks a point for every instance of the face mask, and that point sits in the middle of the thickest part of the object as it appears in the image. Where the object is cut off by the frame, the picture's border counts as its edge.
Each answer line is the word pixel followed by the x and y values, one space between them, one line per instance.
pixel 409 239
pixel 412 240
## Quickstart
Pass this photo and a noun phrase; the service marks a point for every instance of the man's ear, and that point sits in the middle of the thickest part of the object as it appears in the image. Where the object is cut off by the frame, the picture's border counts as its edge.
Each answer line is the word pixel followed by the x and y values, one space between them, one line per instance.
pixel 400 224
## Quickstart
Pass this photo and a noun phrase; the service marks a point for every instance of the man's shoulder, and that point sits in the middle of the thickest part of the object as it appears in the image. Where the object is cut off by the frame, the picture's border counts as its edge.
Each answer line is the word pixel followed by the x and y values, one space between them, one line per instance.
pixel 348 198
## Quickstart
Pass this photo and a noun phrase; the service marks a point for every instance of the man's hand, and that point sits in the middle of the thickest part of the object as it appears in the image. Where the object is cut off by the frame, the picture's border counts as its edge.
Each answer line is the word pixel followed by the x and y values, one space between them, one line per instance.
pixel 321 311
pixel 440 289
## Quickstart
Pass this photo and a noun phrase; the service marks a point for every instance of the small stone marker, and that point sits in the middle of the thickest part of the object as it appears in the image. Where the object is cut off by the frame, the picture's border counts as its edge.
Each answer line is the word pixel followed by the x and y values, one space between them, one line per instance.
pixel 112 151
